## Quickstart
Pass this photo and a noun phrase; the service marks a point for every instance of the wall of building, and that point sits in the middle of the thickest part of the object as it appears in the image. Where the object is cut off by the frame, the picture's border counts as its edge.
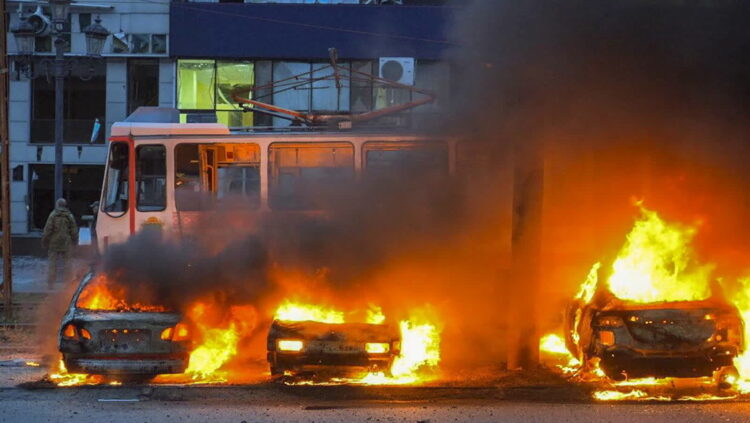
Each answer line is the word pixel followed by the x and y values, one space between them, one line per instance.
pixel 144 28
pixel 141 30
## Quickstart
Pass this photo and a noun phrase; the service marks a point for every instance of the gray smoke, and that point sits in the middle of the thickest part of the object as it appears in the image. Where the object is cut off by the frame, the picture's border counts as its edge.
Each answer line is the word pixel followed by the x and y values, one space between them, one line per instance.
pixel 175 273
pixel 625 99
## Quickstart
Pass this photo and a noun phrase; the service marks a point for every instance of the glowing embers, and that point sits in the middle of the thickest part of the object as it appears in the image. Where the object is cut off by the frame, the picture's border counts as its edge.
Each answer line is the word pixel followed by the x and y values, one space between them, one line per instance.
pixel 552 349
pixel 639 395
pixel 103 294
pixel 408 354
pixel 61 377
pixel 661 390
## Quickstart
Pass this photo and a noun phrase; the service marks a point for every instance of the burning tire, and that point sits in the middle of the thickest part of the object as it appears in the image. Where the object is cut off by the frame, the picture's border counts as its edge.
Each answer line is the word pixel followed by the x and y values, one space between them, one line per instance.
pixel 726 377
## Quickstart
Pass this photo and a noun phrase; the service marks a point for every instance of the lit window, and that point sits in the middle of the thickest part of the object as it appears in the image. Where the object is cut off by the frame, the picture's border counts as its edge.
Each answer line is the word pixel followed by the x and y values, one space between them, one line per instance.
pixel 205 85
pixel 196 84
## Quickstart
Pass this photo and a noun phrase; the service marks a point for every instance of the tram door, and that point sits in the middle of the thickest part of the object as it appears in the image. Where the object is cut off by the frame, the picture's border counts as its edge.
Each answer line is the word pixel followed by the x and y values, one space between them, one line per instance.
pixel 211 173
pixel 209 165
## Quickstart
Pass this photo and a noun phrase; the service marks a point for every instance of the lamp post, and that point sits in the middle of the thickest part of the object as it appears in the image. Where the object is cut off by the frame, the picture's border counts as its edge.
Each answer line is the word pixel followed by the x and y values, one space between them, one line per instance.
pixel 96 36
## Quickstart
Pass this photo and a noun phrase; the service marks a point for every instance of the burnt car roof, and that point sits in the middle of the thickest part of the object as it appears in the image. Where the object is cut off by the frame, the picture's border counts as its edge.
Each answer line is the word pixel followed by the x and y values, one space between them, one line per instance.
pixel 108 314
pixel 680 305
pixel 355 331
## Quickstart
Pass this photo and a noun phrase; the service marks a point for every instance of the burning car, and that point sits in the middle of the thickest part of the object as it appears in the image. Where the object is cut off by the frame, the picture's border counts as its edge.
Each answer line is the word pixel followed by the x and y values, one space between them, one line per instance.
pixel 664 339
pixel 304 343
pixel 658 313
pixel 102 334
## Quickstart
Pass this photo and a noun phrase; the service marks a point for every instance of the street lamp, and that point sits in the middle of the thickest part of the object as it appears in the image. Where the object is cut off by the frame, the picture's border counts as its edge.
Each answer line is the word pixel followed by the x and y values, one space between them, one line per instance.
pixel 59 68
pixel 96 36
pixel 24 34
pixel 59 10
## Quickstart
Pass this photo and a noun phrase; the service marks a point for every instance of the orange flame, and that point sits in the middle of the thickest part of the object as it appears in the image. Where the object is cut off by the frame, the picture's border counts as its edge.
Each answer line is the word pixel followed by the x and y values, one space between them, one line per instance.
pixel 219 344
pixel 741 300
pixel 103 294
pixel 217 335
pixel 420 341
pixel 61 377
pixel 656 264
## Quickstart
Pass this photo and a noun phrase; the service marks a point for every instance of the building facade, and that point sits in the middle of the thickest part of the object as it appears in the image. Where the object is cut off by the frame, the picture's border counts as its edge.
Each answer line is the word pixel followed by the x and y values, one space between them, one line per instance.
pixel 190 55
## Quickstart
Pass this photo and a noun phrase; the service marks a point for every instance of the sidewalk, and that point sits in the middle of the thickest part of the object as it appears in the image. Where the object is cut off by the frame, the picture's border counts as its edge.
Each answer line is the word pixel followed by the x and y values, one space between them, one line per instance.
pixel 30 273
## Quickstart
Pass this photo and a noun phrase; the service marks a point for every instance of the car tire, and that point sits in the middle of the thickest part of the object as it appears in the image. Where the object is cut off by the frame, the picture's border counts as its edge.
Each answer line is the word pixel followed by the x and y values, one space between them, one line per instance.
pixel 617 375
pixel 725 377
pixel 276 372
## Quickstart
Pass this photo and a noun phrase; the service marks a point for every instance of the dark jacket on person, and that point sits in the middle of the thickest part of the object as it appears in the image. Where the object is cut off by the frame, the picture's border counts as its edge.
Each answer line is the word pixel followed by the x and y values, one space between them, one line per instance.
pixel 60 231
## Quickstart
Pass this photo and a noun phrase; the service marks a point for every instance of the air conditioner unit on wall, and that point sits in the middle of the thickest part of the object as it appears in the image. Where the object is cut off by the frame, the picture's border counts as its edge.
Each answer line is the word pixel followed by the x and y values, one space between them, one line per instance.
pixel 397 69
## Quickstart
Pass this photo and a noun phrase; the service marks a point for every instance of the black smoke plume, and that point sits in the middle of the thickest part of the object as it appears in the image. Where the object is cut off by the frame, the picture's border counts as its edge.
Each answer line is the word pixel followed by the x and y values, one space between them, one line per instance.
pixel 623 99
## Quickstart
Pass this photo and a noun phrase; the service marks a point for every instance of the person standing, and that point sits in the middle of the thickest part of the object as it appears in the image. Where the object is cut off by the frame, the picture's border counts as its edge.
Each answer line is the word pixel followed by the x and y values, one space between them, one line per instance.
pixel 59 237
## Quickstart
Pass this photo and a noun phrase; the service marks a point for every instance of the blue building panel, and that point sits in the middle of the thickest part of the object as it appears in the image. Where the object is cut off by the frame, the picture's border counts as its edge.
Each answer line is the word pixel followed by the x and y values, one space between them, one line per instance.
pixel 288 31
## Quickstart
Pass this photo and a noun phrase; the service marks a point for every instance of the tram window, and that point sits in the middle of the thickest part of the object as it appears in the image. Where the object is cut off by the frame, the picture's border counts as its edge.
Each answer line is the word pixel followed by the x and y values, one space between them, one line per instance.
pixel 151 174
pixel 116 189
pixel 301 175
pixel 239 181
pixel 207 173
pixel 410 161
pixel 187 181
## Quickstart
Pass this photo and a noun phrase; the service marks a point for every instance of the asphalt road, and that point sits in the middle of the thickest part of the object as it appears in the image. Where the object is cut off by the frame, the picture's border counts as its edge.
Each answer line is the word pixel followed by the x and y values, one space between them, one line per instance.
pixel 274 404
pixel 23 398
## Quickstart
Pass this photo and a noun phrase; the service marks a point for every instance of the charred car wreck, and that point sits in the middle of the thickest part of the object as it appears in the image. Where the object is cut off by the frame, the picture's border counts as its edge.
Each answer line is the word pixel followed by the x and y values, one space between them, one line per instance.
pixel 322 350
pixel 665 339
pixel 106 337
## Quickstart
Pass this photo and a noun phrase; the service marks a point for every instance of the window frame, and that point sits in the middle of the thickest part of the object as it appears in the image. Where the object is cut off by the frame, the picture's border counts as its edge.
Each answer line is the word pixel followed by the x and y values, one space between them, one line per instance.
pixel 272 179
pixel 436 144
pixel 105 191
pixel 138 178
pixel 150 53
pixel 69 89
pixel 218 107
pixel 180 205
pixel 131 63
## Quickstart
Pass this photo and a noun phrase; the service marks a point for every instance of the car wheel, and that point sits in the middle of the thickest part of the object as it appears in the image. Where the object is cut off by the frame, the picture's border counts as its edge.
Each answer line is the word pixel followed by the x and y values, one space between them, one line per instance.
pixel 617 375
pixel 276 372
pixel 726 377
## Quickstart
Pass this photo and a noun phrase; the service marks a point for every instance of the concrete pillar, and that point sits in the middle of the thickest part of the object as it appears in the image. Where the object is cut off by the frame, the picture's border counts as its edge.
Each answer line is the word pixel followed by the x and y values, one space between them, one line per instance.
pixel 528 189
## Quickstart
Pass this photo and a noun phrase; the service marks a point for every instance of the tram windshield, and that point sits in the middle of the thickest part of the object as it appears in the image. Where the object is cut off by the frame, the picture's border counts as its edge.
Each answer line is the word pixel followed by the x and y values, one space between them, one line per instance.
pixel 116 188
